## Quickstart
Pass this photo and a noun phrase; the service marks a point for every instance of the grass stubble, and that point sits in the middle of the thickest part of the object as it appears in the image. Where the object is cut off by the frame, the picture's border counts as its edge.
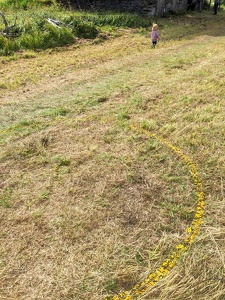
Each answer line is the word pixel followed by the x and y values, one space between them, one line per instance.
pixel 89 207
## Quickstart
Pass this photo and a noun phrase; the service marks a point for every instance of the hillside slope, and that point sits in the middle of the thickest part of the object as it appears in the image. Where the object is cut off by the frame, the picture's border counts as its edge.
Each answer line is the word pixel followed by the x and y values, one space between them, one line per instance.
pixel 89 206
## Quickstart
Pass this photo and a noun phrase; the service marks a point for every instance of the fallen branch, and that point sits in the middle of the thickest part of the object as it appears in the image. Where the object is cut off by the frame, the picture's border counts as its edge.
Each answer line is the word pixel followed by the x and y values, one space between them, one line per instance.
pixel 57 23
pixel 54 22
pixel 5 23
pixel 7 27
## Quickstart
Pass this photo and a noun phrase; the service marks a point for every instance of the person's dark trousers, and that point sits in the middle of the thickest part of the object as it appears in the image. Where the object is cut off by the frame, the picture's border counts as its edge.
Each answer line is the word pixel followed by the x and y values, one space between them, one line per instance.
pixel 215 7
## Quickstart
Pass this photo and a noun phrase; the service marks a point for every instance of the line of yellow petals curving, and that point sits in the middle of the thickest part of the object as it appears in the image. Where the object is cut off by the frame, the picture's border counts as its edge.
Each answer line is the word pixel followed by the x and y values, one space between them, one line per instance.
pixel 192 230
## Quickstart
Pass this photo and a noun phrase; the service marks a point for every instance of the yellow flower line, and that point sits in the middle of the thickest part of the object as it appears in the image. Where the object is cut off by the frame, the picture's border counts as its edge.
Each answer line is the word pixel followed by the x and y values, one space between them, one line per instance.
pixel 192 230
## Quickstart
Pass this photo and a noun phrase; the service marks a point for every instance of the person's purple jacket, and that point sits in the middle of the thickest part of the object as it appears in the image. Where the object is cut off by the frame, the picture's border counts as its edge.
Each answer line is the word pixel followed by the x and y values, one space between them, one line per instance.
pixel 155 35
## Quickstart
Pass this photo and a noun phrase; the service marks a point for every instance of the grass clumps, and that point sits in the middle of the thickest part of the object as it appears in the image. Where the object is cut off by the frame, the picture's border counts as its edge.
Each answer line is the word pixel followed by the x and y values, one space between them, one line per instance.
pixel 31 27
pixel 50 37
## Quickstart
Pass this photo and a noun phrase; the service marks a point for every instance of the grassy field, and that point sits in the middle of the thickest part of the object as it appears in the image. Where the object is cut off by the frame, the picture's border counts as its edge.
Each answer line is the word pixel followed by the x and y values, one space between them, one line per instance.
pixel 90 206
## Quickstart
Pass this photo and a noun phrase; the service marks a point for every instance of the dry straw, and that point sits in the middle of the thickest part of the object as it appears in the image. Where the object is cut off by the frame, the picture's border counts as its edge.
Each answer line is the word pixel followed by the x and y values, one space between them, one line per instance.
pixel 192 230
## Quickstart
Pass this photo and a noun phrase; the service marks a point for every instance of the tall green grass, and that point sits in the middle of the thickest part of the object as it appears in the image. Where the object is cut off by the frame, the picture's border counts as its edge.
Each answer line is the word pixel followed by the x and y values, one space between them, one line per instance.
pixel 113 19
pixel 25 4
pixel 32 30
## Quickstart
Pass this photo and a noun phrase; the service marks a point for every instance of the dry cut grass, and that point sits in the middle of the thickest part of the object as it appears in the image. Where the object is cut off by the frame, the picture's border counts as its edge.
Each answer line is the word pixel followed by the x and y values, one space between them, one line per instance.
pixel 90 207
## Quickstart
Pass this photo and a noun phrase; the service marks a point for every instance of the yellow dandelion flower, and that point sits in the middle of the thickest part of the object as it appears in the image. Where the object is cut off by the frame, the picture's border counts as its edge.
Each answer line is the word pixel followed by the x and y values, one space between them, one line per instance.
pixel 192 230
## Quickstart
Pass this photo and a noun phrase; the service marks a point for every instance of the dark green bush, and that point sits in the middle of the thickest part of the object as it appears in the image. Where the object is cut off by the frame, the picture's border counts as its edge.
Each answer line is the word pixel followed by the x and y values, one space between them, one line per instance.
pixel 8 46
pixel 49 38
pixel 3 42
pixel 84 29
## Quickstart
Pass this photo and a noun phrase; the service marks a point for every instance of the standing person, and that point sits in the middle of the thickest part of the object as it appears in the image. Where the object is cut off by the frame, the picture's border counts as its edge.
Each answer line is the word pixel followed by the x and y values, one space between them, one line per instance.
pixel 215 7
pixel 200 5
pixel 154 34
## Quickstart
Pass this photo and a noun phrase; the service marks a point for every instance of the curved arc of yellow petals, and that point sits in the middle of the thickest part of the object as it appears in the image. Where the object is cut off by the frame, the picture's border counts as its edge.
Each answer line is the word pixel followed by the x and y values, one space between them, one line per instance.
pixel 192 230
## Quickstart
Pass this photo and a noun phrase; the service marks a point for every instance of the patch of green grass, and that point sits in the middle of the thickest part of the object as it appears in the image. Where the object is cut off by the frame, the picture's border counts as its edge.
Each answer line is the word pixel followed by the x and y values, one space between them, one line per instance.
pixel 110 285
pixel 5 198
pixel 62 161
pixel 55 112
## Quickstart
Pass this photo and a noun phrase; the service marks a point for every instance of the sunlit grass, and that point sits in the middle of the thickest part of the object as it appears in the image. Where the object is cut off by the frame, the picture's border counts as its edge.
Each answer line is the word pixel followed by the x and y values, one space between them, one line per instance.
pixel 90 207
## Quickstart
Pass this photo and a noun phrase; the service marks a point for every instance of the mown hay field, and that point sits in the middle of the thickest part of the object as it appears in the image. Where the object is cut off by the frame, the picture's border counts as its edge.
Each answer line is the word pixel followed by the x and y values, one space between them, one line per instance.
pixel 89 206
